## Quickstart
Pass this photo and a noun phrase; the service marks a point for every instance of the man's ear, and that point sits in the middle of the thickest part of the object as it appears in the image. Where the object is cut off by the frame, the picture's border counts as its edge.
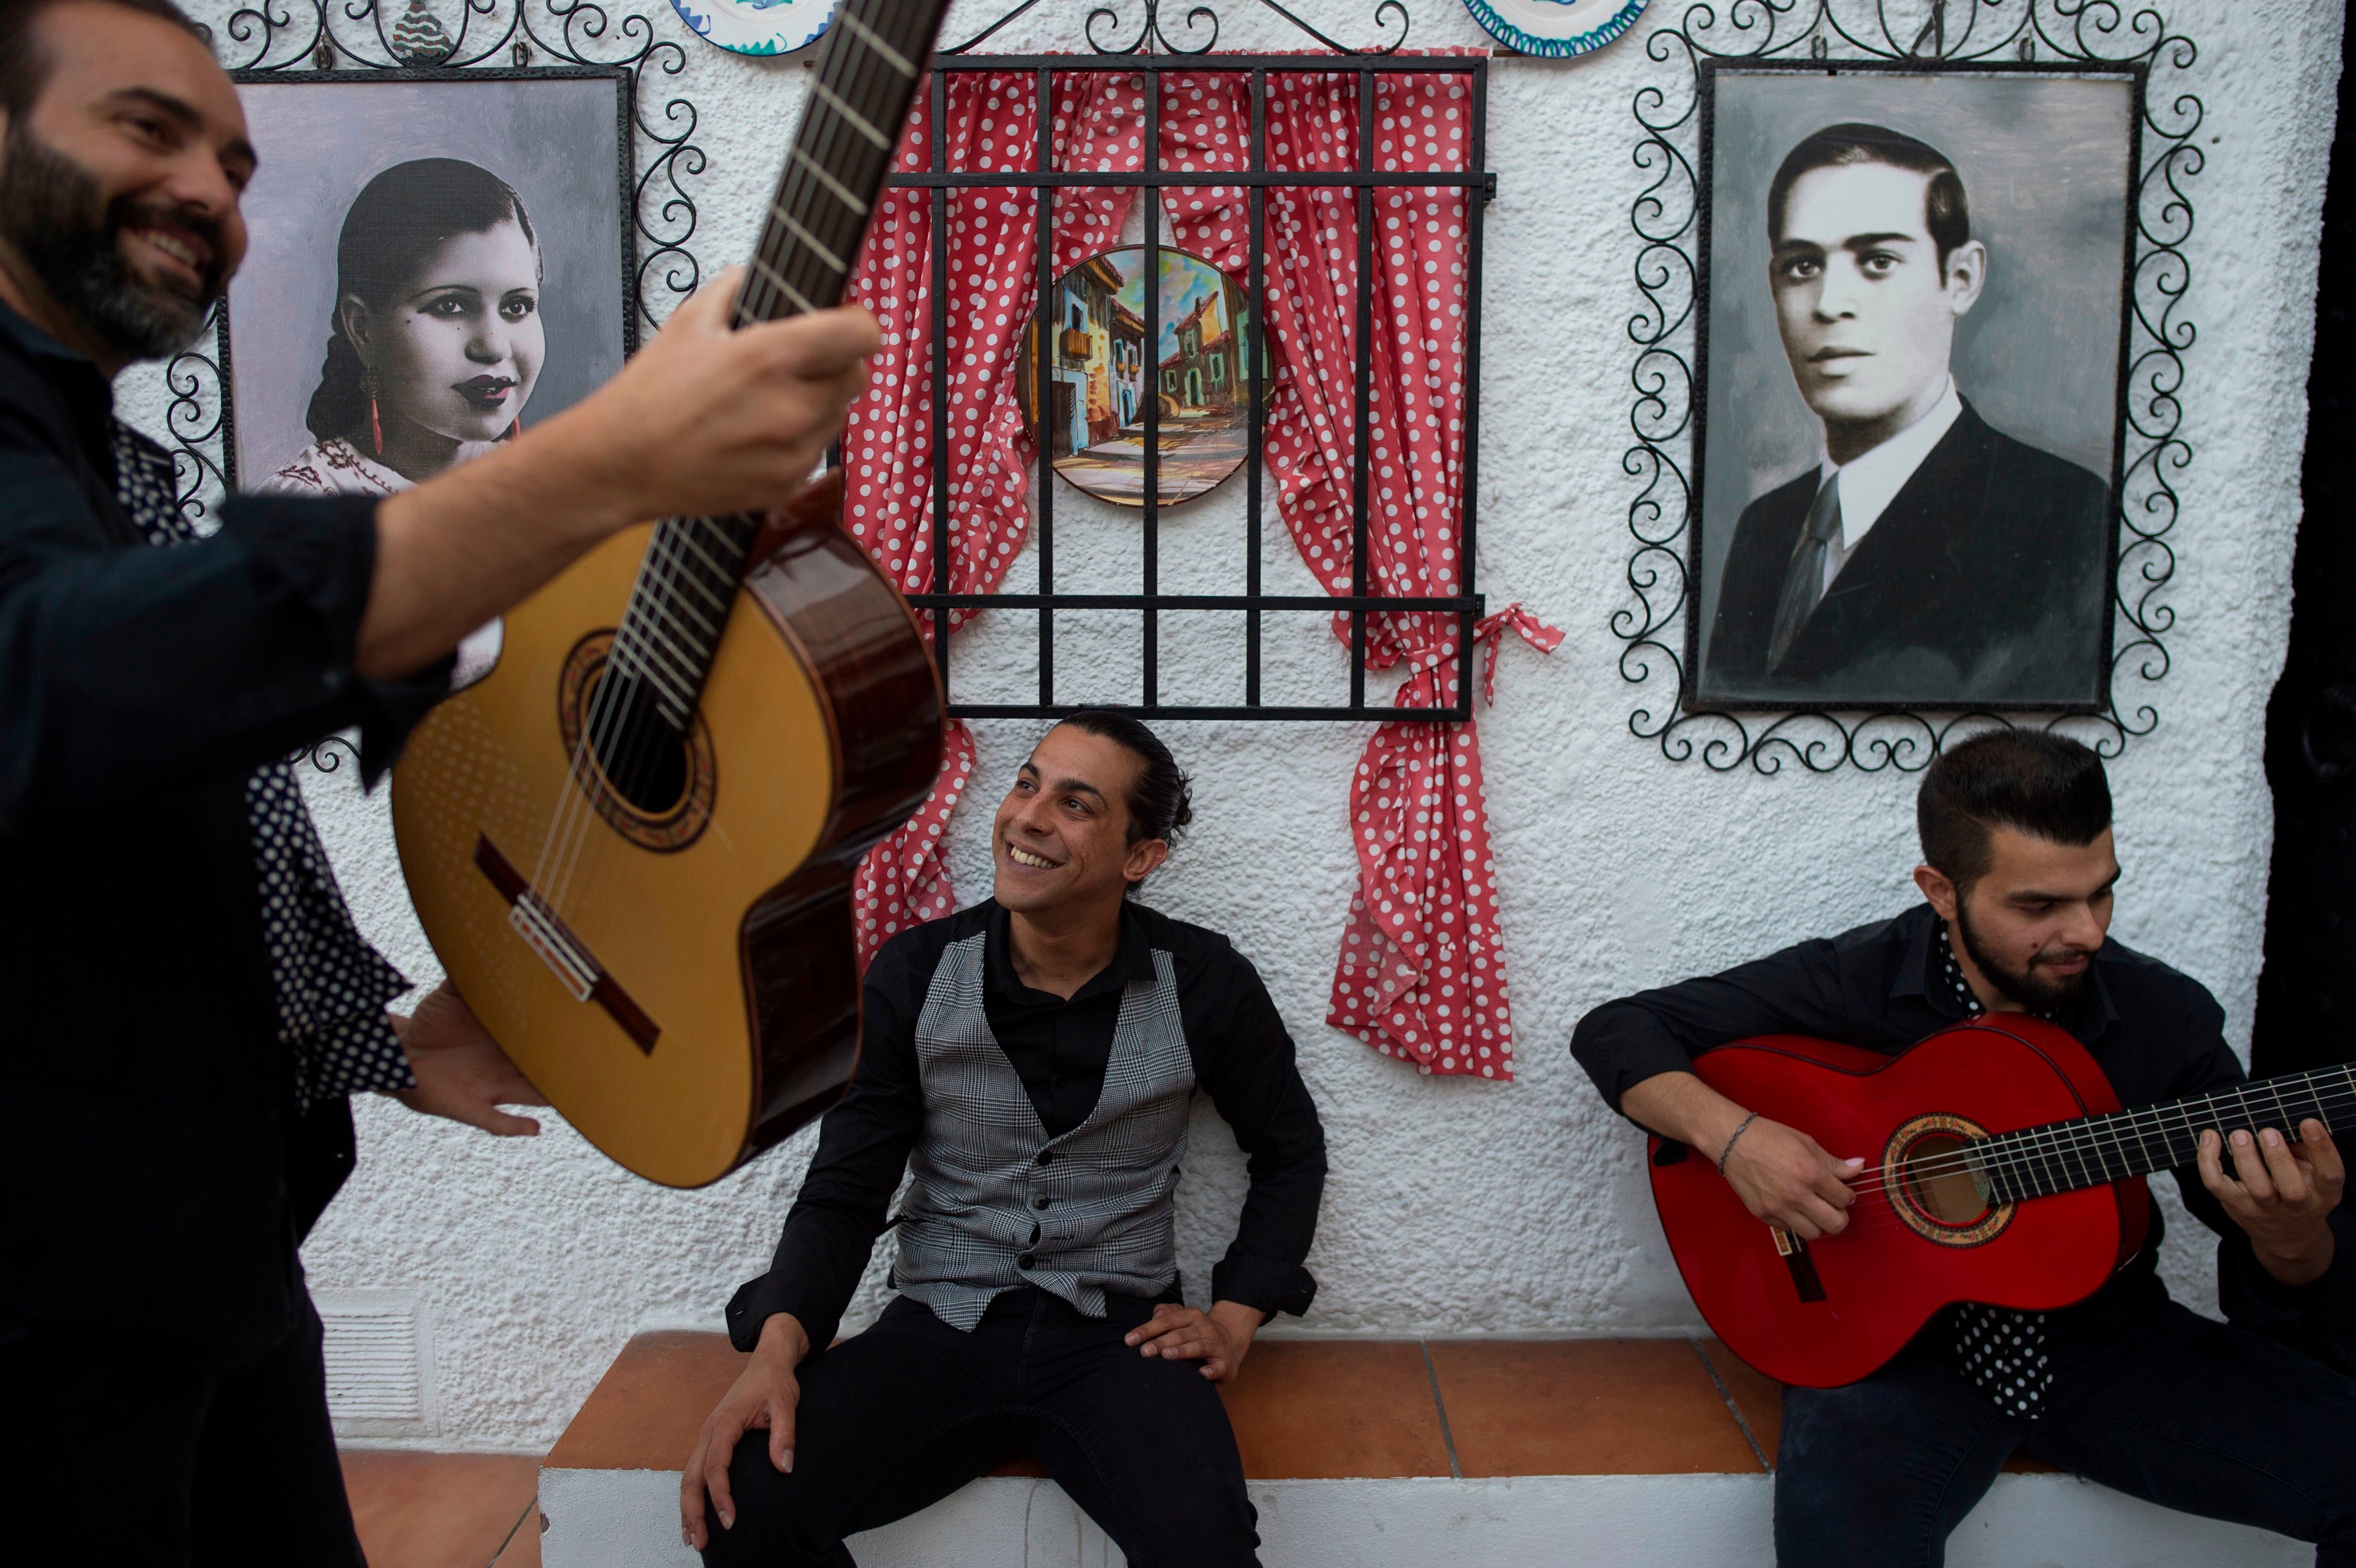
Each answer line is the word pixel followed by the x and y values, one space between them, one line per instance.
pixel 1145 858
pixel 1938 889
pixel 1967 266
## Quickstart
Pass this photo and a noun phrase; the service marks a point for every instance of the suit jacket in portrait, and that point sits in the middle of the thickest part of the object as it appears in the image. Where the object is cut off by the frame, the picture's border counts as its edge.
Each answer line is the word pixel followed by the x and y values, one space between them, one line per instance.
pixel 1985 580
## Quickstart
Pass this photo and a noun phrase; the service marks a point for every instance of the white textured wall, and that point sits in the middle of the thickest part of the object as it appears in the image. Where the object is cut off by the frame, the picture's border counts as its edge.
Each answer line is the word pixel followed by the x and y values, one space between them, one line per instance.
pixel 1455 1206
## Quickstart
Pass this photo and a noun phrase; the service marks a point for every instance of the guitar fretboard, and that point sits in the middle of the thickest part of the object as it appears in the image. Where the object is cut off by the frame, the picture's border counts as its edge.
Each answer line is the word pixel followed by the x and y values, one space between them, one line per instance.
pixel 2063 1157
pixel 867 71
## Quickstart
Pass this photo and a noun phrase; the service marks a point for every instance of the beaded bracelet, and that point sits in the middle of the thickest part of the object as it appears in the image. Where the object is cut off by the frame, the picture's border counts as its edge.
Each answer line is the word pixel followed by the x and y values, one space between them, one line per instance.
pixel 1731 1142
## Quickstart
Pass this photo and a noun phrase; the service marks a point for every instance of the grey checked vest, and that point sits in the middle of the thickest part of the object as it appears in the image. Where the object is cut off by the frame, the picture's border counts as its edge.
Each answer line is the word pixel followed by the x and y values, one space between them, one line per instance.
pixel 996 1204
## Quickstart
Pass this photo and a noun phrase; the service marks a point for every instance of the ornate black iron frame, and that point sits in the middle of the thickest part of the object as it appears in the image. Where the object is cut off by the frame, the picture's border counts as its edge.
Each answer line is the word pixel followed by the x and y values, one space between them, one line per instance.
pixel 1143 49
pixel 1670 223
pixel 350 41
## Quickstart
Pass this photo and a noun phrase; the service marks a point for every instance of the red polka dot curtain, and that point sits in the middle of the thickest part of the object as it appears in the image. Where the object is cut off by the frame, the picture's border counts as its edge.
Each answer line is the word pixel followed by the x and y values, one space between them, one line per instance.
pixel 1420 974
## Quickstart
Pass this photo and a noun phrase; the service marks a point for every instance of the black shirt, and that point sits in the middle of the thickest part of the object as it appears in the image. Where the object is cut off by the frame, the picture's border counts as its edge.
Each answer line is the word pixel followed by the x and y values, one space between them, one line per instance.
pixel 2156 1034
pixel 152 1172
pixel 1242 1057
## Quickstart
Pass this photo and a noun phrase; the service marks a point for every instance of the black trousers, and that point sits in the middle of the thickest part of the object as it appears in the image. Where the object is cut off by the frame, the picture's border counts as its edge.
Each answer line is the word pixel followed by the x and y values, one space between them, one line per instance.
pixel 899 1417
pixel 127 1449
pixel 2152 1399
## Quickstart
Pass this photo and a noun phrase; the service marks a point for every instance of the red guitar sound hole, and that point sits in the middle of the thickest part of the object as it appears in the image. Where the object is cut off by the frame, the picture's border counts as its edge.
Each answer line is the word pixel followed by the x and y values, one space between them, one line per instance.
pixel 1934 1184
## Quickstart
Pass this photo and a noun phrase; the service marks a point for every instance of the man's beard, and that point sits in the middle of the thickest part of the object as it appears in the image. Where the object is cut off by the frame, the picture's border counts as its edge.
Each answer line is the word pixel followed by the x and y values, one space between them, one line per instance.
pixel 2038 991
pixel 52 215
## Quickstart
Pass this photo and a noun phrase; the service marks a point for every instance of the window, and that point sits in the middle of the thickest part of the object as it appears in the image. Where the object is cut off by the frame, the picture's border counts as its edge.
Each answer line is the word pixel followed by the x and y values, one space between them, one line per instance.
pixel 1249 391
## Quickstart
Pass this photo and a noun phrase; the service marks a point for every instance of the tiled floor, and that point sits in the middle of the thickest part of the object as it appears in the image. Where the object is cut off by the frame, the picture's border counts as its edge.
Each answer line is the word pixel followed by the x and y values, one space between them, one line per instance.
pixel 444 1510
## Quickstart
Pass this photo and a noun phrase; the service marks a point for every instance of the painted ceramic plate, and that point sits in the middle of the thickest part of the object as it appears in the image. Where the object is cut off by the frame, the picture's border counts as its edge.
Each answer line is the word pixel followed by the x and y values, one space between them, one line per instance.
pixel 1096 436
pixel 1556 27
pixel 757 26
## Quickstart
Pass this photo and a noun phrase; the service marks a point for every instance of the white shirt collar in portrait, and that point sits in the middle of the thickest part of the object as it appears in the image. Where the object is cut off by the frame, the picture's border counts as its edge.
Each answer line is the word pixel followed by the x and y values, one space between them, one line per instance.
pixel 1870 483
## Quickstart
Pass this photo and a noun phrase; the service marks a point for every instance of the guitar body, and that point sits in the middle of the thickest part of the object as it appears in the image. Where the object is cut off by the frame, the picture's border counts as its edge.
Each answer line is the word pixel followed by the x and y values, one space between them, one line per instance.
pixel 726 1009
pixel 1839 1307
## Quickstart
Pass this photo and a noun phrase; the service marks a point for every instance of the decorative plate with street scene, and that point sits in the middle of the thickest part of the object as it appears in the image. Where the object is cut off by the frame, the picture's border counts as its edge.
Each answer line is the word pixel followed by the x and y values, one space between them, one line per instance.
pixel 1555 27
pixel 1098 384
pixel 757 26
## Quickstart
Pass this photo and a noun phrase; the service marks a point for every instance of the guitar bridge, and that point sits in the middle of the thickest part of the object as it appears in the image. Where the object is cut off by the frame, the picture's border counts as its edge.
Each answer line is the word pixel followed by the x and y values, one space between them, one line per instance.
pixel 575 967
pixel 1805 1278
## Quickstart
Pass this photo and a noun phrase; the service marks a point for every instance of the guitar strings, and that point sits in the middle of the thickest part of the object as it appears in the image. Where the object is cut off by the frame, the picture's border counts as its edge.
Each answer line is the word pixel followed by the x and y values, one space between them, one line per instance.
pixel 644 653
pixel 1871 1181
pixel 2030 1149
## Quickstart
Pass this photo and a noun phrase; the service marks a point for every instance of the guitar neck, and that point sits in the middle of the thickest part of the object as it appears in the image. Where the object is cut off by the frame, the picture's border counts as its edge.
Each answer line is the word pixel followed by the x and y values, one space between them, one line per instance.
pixel 867 72
pixel 867 68
pixel 2063 1157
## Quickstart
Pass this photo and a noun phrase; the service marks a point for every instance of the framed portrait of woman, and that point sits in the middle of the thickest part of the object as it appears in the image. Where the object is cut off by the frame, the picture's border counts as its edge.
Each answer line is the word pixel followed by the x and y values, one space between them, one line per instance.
pixel 437 260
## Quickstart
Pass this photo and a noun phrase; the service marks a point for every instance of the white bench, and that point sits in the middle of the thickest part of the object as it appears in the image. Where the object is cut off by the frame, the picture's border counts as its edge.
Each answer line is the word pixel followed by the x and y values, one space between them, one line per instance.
pixel 1389 1454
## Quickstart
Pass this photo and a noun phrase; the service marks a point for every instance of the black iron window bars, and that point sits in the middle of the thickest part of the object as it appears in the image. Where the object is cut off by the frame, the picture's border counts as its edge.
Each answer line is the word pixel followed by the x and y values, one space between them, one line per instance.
pixel 1257 178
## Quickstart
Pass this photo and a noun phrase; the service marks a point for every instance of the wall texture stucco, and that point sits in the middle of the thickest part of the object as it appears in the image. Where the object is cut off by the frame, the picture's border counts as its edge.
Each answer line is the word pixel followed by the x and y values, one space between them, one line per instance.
pixel 1455 1207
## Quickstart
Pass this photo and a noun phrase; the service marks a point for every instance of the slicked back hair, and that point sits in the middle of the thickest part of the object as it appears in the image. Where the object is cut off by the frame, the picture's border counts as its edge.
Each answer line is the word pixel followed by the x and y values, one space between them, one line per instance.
pixel 2032 782
pixel 24 64
pixel 1160 800
pixel 1947 213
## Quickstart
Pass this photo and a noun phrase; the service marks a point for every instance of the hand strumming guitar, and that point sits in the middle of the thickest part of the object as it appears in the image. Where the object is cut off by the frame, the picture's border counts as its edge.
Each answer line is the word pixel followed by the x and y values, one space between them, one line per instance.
pixel 2281 1194
pixel 1782 1176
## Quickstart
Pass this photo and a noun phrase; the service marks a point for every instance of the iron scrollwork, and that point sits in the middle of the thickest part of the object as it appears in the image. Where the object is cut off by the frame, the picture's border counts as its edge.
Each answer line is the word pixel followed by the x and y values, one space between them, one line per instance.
pixel 1667 217
pixel 298 38
pixel 1198 33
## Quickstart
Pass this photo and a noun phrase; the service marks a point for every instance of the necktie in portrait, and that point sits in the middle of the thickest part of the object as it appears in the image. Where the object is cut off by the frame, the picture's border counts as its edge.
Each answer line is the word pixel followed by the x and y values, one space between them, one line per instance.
pixel 1803 579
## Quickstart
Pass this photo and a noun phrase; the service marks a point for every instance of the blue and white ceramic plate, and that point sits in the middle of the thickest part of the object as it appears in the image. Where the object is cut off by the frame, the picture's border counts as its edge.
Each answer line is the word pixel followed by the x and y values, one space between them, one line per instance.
pixel 757 26
pixel 1556 27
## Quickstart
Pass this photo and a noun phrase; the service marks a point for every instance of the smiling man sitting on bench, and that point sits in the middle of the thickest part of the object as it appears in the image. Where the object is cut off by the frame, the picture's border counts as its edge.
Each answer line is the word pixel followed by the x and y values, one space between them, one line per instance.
pixel 1033 1061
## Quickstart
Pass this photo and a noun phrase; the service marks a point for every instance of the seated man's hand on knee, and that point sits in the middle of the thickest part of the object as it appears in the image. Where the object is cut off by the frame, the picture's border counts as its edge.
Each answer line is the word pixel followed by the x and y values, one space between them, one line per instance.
pixel 764 1395
pixel 1218 1338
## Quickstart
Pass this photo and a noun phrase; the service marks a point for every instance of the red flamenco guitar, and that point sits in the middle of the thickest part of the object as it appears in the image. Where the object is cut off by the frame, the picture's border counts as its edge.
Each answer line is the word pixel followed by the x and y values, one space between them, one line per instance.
pixel 1999 1168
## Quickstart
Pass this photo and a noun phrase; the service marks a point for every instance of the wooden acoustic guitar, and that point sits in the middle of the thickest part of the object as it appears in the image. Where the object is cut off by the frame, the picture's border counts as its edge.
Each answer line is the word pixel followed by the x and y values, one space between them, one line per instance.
pixel 632 844
pixel 1999 1168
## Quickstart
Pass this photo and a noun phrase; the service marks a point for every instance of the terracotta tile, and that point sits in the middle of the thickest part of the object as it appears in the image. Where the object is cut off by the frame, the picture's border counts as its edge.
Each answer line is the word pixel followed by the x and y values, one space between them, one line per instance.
pixel 1586 1407
pixel 522 1549
pixel 645 1412
pixel 436 1510
pixel 1315 1409
pixel 1760 1398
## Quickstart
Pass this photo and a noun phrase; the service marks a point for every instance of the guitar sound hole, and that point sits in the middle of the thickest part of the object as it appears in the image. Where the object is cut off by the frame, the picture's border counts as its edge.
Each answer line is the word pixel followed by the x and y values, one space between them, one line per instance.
pixel 644 761
pixel 1940 1183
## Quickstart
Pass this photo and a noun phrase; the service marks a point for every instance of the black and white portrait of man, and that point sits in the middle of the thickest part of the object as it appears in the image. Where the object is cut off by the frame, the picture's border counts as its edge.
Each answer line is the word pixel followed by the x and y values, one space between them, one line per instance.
pixel 1943 537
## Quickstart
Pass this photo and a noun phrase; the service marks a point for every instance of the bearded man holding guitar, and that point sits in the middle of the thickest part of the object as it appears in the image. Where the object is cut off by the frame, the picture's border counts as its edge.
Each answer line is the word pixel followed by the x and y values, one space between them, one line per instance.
pixel 190 1006
pixel 2126 1387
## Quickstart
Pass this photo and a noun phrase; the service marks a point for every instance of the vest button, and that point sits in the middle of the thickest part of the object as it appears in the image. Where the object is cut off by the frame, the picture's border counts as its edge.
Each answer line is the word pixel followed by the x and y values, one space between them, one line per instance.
pixel 1046 1157
pixel 1041 1202
pixel 1026 1260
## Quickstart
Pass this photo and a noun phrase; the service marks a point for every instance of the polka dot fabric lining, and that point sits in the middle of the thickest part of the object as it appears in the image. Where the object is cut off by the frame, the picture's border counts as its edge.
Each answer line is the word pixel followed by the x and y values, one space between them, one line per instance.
pixel 992 123
pixel 1421 970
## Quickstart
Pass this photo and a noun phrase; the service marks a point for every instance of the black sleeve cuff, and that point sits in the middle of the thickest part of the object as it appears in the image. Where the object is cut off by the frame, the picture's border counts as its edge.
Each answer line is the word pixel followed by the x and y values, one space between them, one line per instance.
pixel 2253 1299
pixel 1265 1284
pixel 757 1301
pixel 320 554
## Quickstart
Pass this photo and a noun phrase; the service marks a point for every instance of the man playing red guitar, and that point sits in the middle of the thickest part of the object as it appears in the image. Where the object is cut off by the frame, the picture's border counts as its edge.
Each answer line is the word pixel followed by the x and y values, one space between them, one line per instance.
pixel 2127 1388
